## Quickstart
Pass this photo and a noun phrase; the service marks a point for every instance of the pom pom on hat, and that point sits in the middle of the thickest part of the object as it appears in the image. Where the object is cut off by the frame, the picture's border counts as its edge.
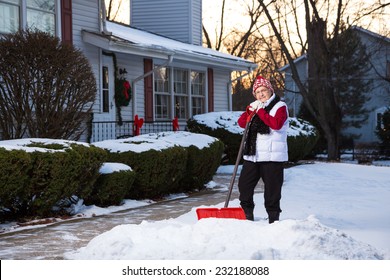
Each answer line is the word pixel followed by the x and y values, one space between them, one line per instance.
pixel 262 82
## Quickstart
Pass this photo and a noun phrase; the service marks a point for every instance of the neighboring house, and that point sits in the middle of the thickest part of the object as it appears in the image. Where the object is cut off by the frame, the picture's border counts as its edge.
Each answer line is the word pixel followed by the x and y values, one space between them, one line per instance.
pixel 160 55
pixel 378 48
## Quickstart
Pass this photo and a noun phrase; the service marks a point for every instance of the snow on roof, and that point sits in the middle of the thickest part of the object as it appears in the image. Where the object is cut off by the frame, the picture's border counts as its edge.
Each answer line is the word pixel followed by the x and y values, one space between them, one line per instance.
pixel 130 37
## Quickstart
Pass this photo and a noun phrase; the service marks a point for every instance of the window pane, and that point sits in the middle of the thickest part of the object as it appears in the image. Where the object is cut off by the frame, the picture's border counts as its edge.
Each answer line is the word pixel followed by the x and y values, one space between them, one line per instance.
pixel 41 15
pixel 181 107
pixel 161 80
pixel 197 83
pixel 198 92
pixel 105 90
pixel 180 81
pixel 197 106
pixel 162 106
pixel 44 5
pixel 41 20
pixel 9 17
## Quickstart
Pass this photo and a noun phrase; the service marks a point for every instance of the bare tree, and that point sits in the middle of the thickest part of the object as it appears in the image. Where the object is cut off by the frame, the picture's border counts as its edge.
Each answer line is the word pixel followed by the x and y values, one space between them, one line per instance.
pixel 319 95
pixel 47 88
pixel 247 43
pixel 116 9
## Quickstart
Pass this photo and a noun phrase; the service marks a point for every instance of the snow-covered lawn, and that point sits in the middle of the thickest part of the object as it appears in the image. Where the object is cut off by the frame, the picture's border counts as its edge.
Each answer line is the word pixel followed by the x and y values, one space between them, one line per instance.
pixel 330 211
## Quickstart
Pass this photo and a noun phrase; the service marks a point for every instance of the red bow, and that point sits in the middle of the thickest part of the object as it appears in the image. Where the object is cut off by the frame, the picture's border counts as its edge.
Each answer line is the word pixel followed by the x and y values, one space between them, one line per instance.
pixel 126 87
pixel 175 124
pixel 137 125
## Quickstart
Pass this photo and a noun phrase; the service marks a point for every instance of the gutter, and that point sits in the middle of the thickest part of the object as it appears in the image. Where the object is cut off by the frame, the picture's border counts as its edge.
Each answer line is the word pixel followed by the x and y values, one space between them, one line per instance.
pixel 103 18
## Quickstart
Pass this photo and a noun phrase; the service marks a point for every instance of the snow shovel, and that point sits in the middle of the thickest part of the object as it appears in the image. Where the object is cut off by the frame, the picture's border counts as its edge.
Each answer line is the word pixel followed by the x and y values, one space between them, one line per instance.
pixel 225 212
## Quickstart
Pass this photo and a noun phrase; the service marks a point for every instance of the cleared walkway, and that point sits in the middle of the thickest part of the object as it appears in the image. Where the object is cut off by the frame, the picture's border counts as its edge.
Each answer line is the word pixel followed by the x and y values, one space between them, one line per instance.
pixel 52 241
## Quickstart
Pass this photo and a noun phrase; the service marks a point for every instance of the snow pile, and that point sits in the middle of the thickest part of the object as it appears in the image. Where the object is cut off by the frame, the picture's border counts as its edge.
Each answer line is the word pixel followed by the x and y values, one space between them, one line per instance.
pixel 226 239
pixel 330 211
pixel 156 141
pixel 27 144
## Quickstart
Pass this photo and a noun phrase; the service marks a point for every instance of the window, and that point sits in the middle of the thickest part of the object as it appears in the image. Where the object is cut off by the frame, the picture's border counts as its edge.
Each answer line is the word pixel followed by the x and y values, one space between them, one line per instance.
pixel 162 94
pixel 41 15
pixel 105 90
pixel 379 123
pixel 17 14
pixel 9 16
pixel 175 90
pixel 180 84
pixel 198 92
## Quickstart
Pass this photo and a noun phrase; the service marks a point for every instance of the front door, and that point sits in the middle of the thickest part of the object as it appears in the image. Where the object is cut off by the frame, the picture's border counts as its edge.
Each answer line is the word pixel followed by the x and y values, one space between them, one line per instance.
pixel 104 122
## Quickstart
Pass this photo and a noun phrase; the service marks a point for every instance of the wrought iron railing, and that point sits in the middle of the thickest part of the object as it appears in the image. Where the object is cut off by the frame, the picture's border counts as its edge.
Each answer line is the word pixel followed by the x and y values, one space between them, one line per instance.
pixel 107 130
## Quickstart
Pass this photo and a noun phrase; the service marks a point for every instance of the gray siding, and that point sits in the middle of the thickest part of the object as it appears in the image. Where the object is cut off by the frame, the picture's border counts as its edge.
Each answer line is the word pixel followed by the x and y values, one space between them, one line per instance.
pixel 176 19
pixel 379 94
pixel 134 66
pixel 85 15
pixel 196 23
pixel 221 94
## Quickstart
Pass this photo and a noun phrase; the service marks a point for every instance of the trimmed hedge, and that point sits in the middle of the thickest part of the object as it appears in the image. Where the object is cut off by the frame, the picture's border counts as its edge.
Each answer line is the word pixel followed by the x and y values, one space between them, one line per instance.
pixel 168 162
pixel 32 183
pixel 301 144
pixel 15 169
pixel 201 166
pixel 301 137
pixel 111 189
pixel 157 172
pixel 42 179
pixel 230 140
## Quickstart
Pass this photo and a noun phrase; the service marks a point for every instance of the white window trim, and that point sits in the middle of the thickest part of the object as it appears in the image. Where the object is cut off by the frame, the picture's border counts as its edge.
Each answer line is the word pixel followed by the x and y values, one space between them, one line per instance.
pixel 189 96
pixel 23 16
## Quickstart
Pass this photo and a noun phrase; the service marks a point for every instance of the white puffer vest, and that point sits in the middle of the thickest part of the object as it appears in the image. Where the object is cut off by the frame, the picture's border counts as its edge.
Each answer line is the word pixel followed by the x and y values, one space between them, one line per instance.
pixel 272 146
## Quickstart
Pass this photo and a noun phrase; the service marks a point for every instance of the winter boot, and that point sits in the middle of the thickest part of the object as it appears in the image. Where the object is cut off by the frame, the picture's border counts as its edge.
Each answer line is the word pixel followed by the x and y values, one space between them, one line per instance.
pixel 273 216
pixel 248 213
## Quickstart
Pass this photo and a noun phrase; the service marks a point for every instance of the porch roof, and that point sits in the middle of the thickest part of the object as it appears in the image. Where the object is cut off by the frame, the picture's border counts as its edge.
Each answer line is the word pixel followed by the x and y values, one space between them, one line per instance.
pixel 130 40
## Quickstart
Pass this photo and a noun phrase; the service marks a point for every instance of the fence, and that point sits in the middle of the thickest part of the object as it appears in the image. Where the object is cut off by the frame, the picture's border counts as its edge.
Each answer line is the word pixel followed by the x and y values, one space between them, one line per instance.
pixel 108 130
pixel 365 153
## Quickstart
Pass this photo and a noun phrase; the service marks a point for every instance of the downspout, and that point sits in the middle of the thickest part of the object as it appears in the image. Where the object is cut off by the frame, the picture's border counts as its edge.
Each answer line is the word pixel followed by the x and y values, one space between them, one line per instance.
pixel 133 83
pixel 229 87
pixel 103 18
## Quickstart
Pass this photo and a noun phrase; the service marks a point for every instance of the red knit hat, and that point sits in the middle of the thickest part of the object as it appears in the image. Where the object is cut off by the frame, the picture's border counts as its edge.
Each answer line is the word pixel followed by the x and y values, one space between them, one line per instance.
pixel 261 82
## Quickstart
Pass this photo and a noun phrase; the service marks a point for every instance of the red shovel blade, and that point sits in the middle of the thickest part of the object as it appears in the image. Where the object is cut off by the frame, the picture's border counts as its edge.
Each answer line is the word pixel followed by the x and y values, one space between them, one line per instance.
pixel 224 213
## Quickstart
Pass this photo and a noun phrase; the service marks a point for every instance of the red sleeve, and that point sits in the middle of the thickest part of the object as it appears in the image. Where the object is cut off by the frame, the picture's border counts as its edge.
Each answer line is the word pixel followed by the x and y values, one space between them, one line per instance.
pixel 275 122
pixel 242 119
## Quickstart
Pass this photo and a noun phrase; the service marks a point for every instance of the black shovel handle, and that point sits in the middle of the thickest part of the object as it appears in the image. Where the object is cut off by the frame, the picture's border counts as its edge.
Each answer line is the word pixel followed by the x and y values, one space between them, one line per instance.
pixel 238 160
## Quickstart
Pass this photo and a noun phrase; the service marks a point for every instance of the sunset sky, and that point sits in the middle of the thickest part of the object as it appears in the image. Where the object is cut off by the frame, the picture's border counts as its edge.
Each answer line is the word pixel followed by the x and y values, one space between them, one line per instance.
pixel 235 14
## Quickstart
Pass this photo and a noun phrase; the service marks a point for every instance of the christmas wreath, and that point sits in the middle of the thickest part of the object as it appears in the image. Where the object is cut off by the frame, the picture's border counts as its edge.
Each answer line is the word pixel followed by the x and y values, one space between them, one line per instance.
pixel 122 92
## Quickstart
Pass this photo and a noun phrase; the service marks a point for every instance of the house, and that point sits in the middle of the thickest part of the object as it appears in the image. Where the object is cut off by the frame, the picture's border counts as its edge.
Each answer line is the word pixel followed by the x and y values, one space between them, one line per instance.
pixel 160 55
pixel 378 48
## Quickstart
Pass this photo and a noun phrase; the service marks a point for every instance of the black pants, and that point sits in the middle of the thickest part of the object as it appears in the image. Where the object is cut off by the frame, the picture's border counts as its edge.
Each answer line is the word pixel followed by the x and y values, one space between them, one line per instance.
pixel 272 174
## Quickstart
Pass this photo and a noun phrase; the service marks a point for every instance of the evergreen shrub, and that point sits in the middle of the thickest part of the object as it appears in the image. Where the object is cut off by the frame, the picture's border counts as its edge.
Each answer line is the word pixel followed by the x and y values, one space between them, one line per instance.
pixel 230 140
pixel 301 138
pixel 15 166
pixel 173 168
pixel 201 165
pixel 157 172
pixel 111 189
pixel 32 183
